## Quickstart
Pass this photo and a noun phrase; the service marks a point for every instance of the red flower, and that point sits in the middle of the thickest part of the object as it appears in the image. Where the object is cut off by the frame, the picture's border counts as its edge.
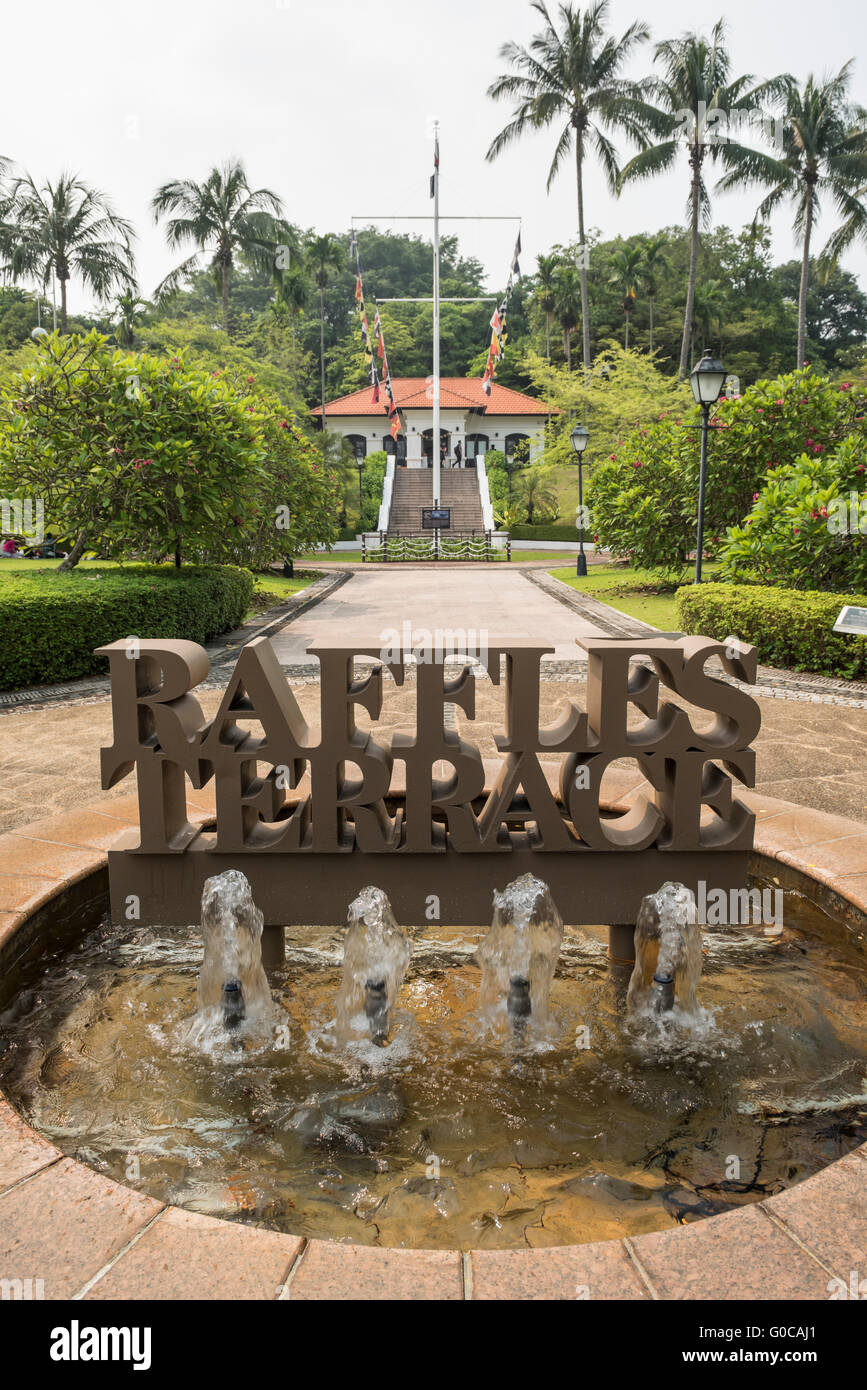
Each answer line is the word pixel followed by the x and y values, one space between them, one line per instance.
pixel 755 497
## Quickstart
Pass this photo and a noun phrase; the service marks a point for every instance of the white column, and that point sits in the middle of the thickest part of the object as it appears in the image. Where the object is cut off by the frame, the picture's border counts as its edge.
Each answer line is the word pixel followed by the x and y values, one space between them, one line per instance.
pixel 413 450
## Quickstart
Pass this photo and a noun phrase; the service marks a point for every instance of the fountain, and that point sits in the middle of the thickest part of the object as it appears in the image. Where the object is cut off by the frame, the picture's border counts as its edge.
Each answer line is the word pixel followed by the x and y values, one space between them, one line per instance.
pixel 232 984
pixel 667 952
pixel 519 954
pixel 376 954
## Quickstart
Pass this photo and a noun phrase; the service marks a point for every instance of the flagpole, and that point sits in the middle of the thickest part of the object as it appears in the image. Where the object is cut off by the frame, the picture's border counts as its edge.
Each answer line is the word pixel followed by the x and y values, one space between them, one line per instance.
pixel 435 441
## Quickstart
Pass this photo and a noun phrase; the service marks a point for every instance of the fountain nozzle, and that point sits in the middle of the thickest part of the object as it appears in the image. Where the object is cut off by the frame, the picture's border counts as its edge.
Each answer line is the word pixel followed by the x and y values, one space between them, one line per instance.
pixel 376 1009
pixel 520 1005
pixel 232 1000
pixel 663 994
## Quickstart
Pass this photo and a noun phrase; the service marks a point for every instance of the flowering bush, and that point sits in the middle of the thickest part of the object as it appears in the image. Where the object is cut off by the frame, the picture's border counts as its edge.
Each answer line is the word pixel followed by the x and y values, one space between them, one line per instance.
pixel 644 497
pixel 807 527
pixel 138 455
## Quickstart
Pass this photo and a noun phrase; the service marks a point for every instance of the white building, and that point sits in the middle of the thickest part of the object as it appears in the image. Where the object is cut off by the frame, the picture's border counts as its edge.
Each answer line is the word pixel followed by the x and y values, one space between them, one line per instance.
pixel 471 423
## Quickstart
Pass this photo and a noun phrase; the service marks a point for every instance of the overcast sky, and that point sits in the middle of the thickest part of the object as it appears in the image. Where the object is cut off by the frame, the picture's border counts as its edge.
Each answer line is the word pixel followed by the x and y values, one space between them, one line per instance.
pixel 330 103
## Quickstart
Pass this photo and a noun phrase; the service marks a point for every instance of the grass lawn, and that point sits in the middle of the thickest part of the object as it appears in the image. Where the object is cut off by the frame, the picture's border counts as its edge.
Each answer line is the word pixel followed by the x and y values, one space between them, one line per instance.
pixel 636 592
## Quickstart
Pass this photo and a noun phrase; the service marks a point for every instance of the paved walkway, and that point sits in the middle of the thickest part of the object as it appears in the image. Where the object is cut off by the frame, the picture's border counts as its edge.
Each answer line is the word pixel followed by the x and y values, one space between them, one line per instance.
pixel 377 601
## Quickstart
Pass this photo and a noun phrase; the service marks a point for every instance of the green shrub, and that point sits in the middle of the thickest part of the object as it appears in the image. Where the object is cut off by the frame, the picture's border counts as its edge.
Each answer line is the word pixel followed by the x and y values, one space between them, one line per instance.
pixel 50 622
pixel 644 497
pixel 789 628
pixel 555 531
pixel 808 525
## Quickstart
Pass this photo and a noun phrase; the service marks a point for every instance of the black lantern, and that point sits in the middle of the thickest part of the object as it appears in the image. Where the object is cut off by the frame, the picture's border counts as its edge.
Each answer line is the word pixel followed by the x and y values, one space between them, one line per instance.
pixel 707 380
pixel 580 438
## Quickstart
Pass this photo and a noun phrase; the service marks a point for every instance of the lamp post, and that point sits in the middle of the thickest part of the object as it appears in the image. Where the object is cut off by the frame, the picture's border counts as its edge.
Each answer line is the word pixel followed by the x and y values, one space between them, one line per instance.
pixel 707 380
pixel 580 437
pixel 359 463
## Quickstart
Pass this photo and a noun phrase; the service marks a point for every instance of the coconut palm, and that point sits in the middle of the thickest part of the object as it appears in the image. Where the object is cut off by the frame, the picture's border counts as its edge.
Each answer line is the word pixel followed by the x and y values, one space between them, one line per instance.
pixel 653 262
pixel 626 265
pixel 65 229
pixel 546 284
pixel 128 308
pixel 223 218
pixel 324 255
pixel 570 74
pixel 681 110
pixel 567 306
pixel 707 308
pixel 824 144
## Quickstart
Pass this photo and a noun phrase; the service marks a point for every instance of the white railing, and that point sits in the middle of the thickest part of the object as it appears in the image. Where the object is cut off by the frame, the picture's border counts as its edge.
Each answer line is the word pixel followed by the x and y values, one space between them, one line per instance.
pixel 484 493
pixel 387 490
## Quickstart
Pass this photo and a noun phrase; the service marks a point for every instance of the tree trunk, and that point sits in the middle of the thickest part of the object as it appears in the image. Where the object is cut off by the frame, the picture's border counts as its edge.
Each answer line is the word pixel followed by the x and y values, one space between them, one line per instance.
pixel 224 271
pixel 650 301
pixel 75 554
pixel 177 552
pixel 322 353
pixel 567 348
pixel 63 318
pixel 695 160
pixel 582 268
pixel 805 276
pixel 626 335
pixel 548 338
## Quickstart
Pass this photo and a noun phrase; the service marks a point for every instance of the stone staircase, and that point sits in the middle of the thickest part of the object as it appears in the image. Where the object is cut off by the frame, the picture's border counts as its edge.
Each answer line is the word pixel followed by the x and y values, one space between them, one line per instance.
pixel 459 490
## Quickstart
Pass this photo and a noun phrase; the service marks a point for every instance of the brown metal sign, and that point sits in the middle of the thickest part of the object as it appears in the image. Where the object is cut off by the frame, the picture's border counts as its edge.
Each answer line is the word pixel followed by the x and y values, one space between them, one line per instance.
pixel 311 815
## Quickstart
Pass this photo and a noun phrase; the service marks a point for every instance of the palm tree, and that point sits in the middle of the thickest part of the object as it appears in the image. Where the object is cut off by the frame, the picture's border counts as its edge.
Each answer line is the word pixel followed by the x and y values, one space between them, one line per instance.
pixel 626 265
pixel 707 307
pixel 222 217
pixel 128 307
pixel 824 143
pixel 572 75
pixel 65 229
pixel 696 84
pixel 536 492
pixel 546 298
pixel 324 255
pixel 567 306
pixel 653 262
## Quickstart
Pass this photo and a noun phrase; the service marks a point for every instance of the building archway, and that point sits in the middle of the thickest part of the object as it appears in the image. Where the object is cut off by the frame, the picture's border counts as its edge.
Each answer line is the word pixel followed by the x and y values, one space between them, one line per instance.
pixel 445 440
pixel 477 445
pixel 517 448
pixel 398 448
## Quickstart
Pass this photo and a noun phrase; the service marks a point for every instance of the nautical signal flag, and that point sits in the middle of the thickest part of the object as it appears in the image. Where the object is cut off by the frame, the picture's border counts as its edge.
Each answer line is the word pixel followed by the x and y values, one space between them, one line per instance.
pixel 515 267
pixel 435 175
pixel 359 294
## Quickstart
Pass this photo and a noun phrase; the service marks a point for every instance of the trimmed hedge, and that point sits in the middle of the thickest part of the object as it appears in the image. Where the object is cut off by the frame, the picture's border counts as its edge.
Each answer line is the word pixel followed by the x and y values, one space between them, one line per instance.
pixel 788 627
pixel 50 622
pixel 552 532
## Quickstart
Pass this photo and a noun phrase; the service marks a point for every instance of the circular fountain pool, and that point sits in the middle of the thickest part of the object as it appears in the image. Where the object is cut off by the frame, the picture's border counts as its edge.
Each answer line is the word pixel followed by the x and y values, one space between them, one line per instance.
pixel 455 1134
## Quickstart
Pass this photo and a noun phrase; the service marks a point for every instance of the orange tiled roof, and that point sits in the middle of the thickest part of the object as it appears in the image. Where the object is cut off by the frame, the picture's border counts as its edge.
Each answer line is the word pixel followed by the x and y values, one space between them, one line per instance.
pixel 456 393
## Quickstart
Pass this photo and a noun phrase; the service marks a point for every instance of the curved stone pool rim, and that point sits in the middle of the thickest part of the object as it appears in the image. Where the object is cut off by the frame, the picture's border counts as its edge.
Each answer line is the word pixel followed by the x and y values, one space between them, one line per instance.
pixel 88 1237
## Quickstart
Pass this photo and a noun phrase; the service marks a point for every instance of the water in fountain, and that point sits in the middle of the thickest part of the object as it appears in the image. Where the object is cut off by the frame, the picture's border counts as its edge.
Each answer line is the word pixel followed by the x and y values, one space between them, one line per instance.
pixel 519 955
pixel 233 988
pixel 667 952
pixel 376 954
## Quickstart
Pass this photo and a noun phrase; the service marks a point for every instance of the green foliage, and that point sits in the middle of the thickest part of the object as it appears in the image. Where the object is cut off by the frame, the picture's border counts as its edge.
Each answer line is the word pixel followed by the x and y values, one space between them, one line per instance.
pixel 787 627
pixel 644 498
pixel 51 622
pixel 138 455
pixel 625 389
pixel 808 525
pixel 551 532
pixel 372 479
